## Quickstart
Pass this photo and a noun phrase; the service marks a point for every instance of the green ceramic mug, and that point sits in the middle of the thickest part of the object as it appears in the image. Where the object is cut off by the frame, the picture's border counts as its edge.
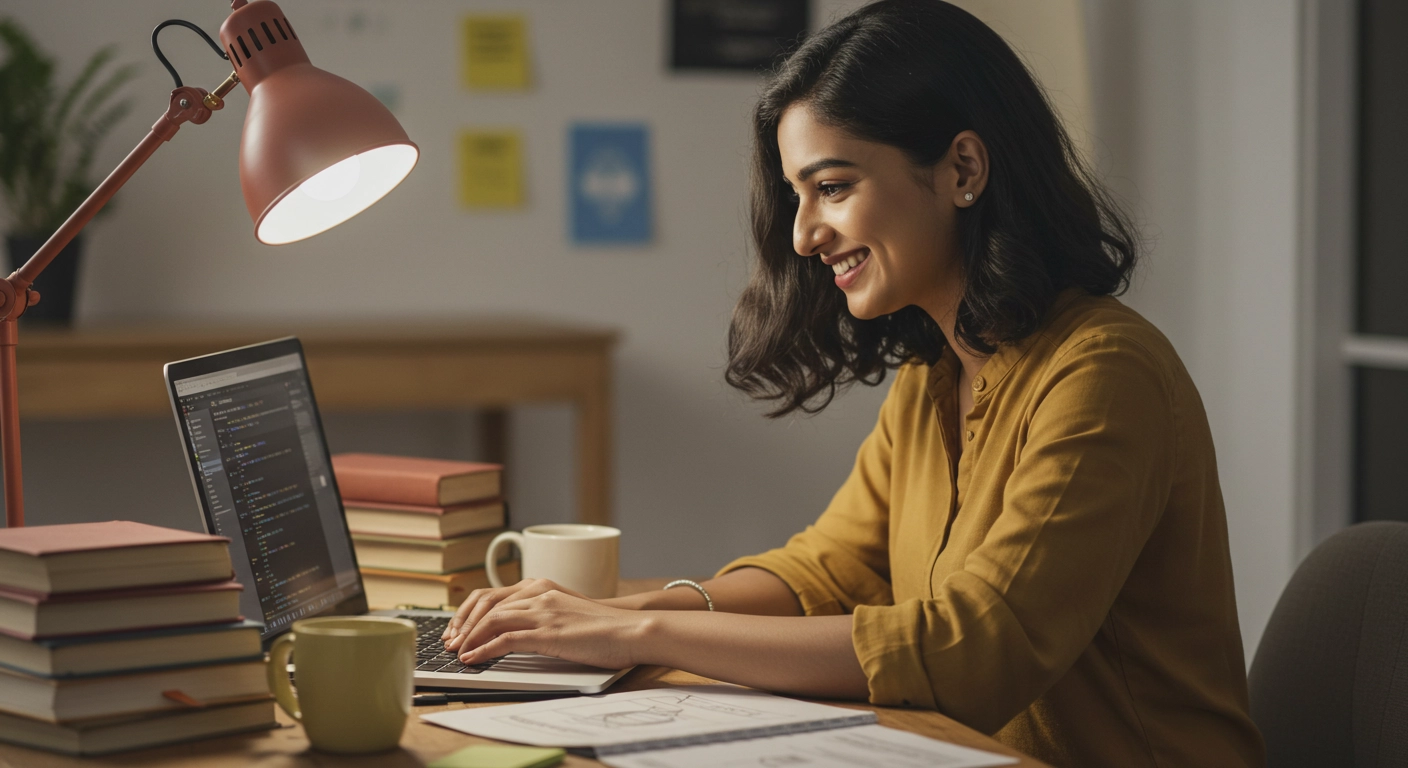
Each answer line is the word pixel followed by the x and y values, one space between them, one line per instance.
pixel 354 676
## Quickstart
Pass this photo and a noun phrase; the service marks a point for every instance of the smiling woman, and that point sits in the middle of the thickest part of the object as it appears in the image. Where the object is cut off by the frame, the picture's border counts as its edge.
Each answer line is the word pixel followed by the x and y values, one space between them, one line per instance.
pixel 1037 220
pixel 1033 539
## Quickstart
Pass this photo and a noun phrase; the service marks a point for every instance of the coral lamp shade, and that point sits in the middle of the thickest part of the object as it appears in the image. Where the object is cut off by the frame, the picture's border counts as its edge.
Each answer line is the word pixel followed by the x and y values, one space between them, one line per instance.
pixel 317 149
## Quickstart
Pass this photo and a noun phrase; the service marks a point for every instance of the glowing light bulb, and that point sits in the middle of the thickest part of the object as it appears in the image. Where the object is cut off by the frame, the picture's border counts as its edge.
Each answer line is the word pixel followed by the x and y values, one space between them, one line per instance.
pixel 315 206
pixel 335 181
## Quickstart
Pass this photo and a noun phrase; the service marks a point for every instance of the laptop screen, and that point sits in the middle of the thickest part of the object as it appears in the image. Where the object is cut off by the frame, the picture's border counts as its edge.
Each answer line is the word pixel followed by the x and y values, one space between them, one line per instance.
pixel 261 467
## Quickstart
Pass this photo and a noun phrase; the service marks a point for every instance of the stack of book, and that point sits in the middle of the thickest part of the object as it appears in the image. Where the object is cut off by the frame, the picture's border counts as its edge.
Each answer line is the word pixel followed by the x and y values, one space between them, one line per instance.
pixel 120 635
pixel 421 526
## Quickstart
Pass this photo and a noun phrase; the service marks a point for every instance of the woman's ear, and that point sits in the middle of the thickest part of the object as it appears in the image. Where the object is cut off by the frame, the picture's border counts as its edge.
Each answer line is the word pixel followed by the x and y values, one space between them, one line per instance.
pixel 968 157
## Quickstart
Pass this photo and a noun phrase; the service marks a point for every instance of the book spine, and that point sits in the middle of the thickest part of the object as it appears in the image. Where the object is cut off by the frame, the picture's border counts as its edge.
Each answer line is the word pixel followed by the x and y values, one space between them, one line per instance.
pixel 132 670
pixel 388 488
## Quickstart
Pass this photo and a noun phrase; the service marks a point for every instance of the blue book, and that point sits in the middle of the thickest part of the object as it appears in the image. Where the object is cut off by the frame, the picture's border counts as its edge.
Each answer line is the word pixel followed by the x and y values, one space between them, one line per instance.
pixel 124 652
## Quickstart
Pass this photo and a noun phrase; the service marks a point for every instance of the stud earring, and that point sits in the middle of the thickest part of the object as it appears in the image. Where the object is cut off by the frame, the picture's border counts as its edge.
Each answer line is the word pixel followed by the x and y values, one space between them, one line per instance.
pixel 968 196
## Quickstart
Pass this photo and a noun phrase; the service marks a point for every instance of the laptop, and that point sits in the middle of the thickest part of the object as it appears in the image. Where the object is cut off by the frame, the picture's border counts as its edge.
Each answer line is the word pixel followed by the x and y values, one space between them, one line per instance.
pixel 261 471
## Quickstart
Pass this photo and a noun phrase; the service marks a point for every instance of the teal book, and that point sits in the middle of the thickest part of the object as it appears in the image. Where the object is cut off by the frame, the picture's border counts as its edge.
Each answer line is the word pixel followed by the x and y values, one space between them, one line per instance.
pixel 114 652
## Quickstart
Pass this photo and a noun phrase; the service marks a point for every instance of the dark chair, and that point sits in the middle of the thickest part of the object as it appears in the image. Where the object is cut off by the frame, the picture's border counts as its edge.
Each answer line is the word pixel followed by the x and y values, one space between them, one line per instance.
pixel 1329 685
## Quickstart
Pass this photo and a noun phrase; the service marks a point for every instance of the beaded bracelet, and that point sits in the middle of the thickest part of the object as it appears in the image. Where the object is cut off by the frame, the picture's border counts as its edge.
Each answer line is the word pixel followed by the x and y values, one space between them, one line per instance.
pixel 695 585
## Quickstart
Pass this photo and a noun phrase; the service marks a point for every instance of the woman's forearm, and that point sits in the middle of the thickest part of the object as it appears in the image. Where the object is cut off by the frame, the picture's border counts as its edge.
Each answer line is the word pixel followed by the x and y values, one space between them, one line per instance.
pixel 807 656
pixel 746 590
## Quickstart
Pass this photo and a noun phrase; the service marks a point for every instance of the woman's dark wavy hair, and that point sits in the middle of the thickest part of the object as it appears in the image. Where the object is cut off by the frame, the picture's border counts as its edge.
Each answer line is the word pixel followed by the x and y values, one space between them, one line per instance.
pixel 913 74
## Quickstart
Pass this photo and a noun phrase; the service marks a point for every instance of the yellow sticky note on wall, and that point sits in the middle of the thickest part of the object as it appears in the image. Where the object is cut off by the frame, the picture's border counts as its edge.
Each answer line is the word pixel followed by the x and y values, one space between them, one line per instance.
pixel 496 52
pixel 491 169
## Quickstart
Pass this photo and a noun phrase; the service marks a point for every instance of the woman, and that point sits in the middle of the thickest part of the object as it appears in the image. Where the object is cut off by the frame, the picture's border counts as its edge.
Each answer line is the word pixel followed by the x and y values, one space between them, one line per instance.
pixel 1032 540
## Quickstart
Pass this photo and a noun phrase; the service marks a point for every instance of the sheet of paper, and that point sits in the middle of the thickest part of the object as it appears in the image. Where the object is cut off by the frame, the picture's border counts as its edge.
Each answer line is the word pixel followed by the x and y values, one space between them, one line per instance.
pixel 865 746
pixel 491 169
pixel 496 52
pixel 653 716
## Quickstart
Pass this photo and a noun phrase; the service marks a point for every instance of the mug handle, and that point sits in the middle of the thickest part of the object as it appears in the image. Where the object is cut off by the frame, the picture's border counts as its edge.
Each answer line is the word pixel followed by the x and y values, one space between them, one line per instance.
pixel 278 676
pixel 491 562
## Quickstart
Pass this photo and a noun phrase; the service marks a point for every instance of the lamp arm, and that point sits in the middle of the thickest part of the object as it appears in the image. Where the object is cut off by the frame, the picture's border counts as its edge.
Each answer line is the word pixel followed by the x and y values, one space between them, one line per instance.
pixel 188 105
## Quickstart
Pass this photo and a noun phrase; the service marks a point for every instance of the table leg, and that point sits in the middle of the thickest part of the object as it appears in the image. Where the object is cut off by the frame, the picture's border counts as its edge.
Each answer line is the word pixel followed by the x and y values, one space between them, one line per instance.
pixel 493 435
pixel 594 450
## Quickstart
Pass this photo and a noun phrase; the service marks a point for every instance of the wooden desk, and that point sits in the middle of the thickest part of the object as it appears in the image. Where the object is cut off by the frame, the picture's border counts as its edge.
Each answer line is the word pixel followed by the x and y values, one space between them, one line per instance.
pixel 423 743
pixel 480 363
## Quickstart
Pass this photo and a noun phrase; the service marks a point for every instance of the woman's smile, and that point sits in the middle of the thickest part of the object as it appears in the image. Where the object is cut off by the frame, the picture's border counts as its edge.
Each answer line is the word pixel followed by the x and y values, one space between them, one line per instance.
pixel 848 267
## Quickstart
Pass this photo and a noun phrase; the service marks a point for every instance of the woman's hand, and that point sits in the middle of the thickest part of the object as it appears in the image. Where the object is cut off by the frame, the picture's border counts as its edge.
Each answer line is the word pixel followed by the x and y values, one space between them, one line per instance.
pixel 481 601
pixel 556 623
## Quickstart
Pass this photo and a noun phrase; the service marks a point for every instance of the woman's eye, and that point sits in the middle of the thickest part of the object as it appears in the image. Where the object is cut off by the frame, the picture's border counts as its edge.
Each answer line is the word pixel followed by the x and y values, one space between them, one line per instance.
pixel 825 190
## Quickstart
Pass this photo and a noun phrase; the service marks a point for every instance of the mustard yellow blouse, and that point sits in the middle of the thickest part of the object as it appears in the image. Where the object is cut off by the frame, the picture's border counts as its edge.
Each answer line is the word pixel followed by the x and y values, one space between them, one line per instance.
pixel 1065 584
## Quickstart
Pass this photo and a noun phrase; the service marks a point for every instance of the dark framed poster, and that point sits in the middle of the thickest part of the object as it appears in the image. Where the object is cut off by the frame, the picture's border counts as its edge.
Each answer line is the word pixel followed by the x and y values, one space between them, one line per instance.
pixel 738 35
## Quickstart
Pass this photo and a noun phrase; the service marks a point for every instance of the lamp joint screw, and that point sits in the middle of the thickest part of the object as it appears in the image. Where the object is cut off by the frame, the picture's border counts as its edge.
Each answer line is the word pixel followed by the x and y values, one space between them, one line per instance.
pixel 185 103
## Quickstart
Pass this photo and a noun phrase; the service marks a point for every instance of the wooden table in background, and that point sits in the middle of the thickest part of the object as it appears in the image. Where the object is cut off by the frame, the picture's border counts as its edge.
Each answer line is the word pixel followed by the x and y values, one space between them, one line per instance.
pixel 423 743
pixel 487 364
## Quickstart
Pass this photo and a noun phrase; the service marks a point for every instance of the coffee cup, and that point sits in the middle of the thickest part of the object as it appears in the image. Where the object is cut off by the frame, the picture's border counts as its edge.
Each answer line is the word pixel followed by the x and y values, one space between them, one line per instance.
pixel 354 676
pixel 584 558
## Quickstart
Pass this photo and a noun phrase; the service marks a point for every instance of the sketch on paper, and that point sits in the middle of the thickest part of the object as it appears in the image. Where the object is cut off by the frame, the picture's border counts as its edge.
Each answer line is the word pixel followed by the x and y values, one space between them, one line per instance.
pixel 666 709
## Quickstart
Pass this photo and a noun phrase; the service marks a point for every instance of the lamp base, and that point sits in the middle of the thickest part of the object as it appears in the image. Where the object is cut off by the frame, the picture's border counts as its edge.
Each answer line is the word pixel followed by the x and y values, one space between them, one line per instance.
pixel 58 285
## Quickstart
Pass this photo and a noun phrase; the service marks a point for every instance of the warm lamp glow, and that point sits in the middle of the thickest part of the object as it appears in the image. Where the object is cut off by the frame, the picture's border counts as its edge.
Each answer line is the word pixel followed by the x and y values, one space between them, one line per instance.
pixel 335 182
pixel 336 194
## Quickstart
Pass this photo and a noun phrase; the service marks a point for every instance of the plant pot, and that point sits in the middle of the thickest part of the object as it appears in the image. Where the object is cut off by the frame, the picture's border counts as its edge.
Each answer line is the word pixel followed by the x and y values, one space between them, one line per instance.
pixel 57 284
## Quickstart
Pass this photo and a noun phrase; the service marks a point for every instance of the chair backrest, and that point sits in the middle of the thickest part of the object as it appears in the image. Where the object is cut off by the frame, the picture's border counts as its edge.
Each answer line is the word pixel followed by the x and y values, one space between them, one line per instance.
pixel 1329 684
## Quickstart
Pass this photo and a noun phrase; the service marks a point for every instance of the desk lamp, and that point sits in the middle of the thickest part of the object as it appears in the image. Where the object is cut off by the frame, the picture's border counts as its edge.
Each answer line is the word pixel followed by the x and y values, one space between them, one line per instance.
pixel 316 150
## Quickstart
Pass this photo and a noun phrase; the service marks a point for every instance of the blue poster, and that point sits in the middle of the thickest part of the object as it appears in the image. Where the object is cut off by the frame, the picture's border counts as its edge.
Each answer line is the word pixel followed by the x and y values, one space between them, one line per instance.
pixel 609 184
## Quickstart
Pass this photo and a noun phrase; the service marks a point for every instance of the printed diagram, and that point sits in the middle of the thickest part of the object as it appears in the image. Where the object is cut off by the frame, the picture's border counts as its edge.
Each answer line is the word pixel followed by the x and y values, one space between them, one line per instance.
pixel 672 710
pixel 643 713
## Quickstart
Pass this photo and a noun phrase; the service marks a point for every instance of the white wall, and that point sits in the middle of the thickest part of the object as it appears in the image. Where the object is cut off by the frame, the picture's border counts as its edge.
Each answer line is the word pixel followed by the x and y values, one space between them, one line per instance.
pixel 700 476
pixel 1195 108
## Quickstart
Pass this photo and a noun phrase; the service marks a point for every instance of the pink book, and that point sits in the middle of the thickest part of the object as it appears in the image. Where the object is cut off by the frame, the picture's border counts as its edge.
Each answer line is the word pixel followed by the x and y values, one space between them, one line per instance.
pixel 414 481
pixel 42 540
pixel 82 557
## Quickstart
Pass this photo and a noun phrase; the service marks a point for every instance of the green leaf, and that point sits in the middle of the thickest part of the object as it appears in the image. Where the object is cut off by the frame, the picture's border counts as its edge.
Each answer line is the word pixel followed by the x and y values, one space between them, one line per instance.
pixel 71 93
pixel 51 133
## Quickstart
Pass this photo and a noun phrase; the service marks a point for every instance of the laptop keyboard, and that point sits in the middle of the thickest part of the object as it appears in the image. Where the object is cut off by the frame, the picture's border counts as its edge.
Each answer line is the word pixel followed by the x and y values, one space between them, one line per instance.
pixel 431 655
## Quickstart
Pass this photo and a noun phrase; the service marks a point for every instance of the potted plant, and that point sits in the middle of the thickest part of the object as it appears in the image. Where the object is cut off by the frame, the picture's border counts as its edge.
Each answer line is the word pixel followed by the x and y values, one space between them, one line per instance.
pixel 48 137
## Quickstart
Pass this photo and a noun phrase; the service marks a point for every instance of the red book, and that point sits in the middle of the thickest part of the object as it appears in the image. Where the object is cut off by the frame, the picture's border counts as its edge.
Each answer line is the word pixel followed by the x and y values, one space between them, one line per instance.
pixel 81 557
pixel 405 480
pixel 31 615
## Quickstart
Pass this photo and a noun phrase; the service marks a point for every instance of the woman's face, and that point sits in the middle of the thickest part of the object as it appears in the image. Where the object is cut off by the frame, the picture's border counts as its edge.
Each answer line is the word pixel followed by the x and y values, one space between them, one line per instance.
pixel 886 227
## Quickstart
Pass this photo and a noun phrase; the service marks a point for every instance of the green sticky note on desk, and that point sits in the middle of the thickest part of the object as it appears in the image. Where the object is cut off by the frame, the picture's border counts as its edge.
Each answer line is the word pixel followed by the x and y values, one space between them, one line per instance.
pixel 494 756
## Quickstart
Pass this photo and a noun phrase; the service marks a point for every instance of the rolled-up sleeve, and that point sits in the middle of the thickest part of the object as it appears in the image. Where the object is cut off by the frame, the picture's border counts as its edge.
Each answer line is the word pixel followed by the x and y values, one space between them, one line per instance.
pixel 843 560
pixel 1088 487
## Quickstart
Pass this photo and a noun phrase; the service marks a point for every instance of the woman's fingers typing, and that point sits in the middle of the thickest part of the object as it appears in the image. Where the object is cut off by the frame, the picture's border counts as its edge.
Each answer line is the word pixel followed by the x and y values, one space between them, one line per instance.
pixel 461 614
pixel 553 623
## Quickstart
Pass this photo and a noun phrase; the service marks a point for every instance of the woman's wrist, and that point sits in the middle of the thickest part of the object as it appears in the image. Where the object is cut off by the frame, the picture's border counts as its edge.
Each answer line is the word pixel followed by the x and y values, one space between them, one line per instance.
pixel 677 599
pixel 625 602
pixel 649 639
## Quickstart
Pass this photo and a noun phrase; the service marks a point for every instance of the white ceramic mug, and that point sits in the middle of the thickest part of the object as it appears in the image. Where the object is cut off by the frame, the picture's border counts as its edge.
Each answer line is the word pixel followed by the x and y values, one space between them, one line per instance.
pixel 585 558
